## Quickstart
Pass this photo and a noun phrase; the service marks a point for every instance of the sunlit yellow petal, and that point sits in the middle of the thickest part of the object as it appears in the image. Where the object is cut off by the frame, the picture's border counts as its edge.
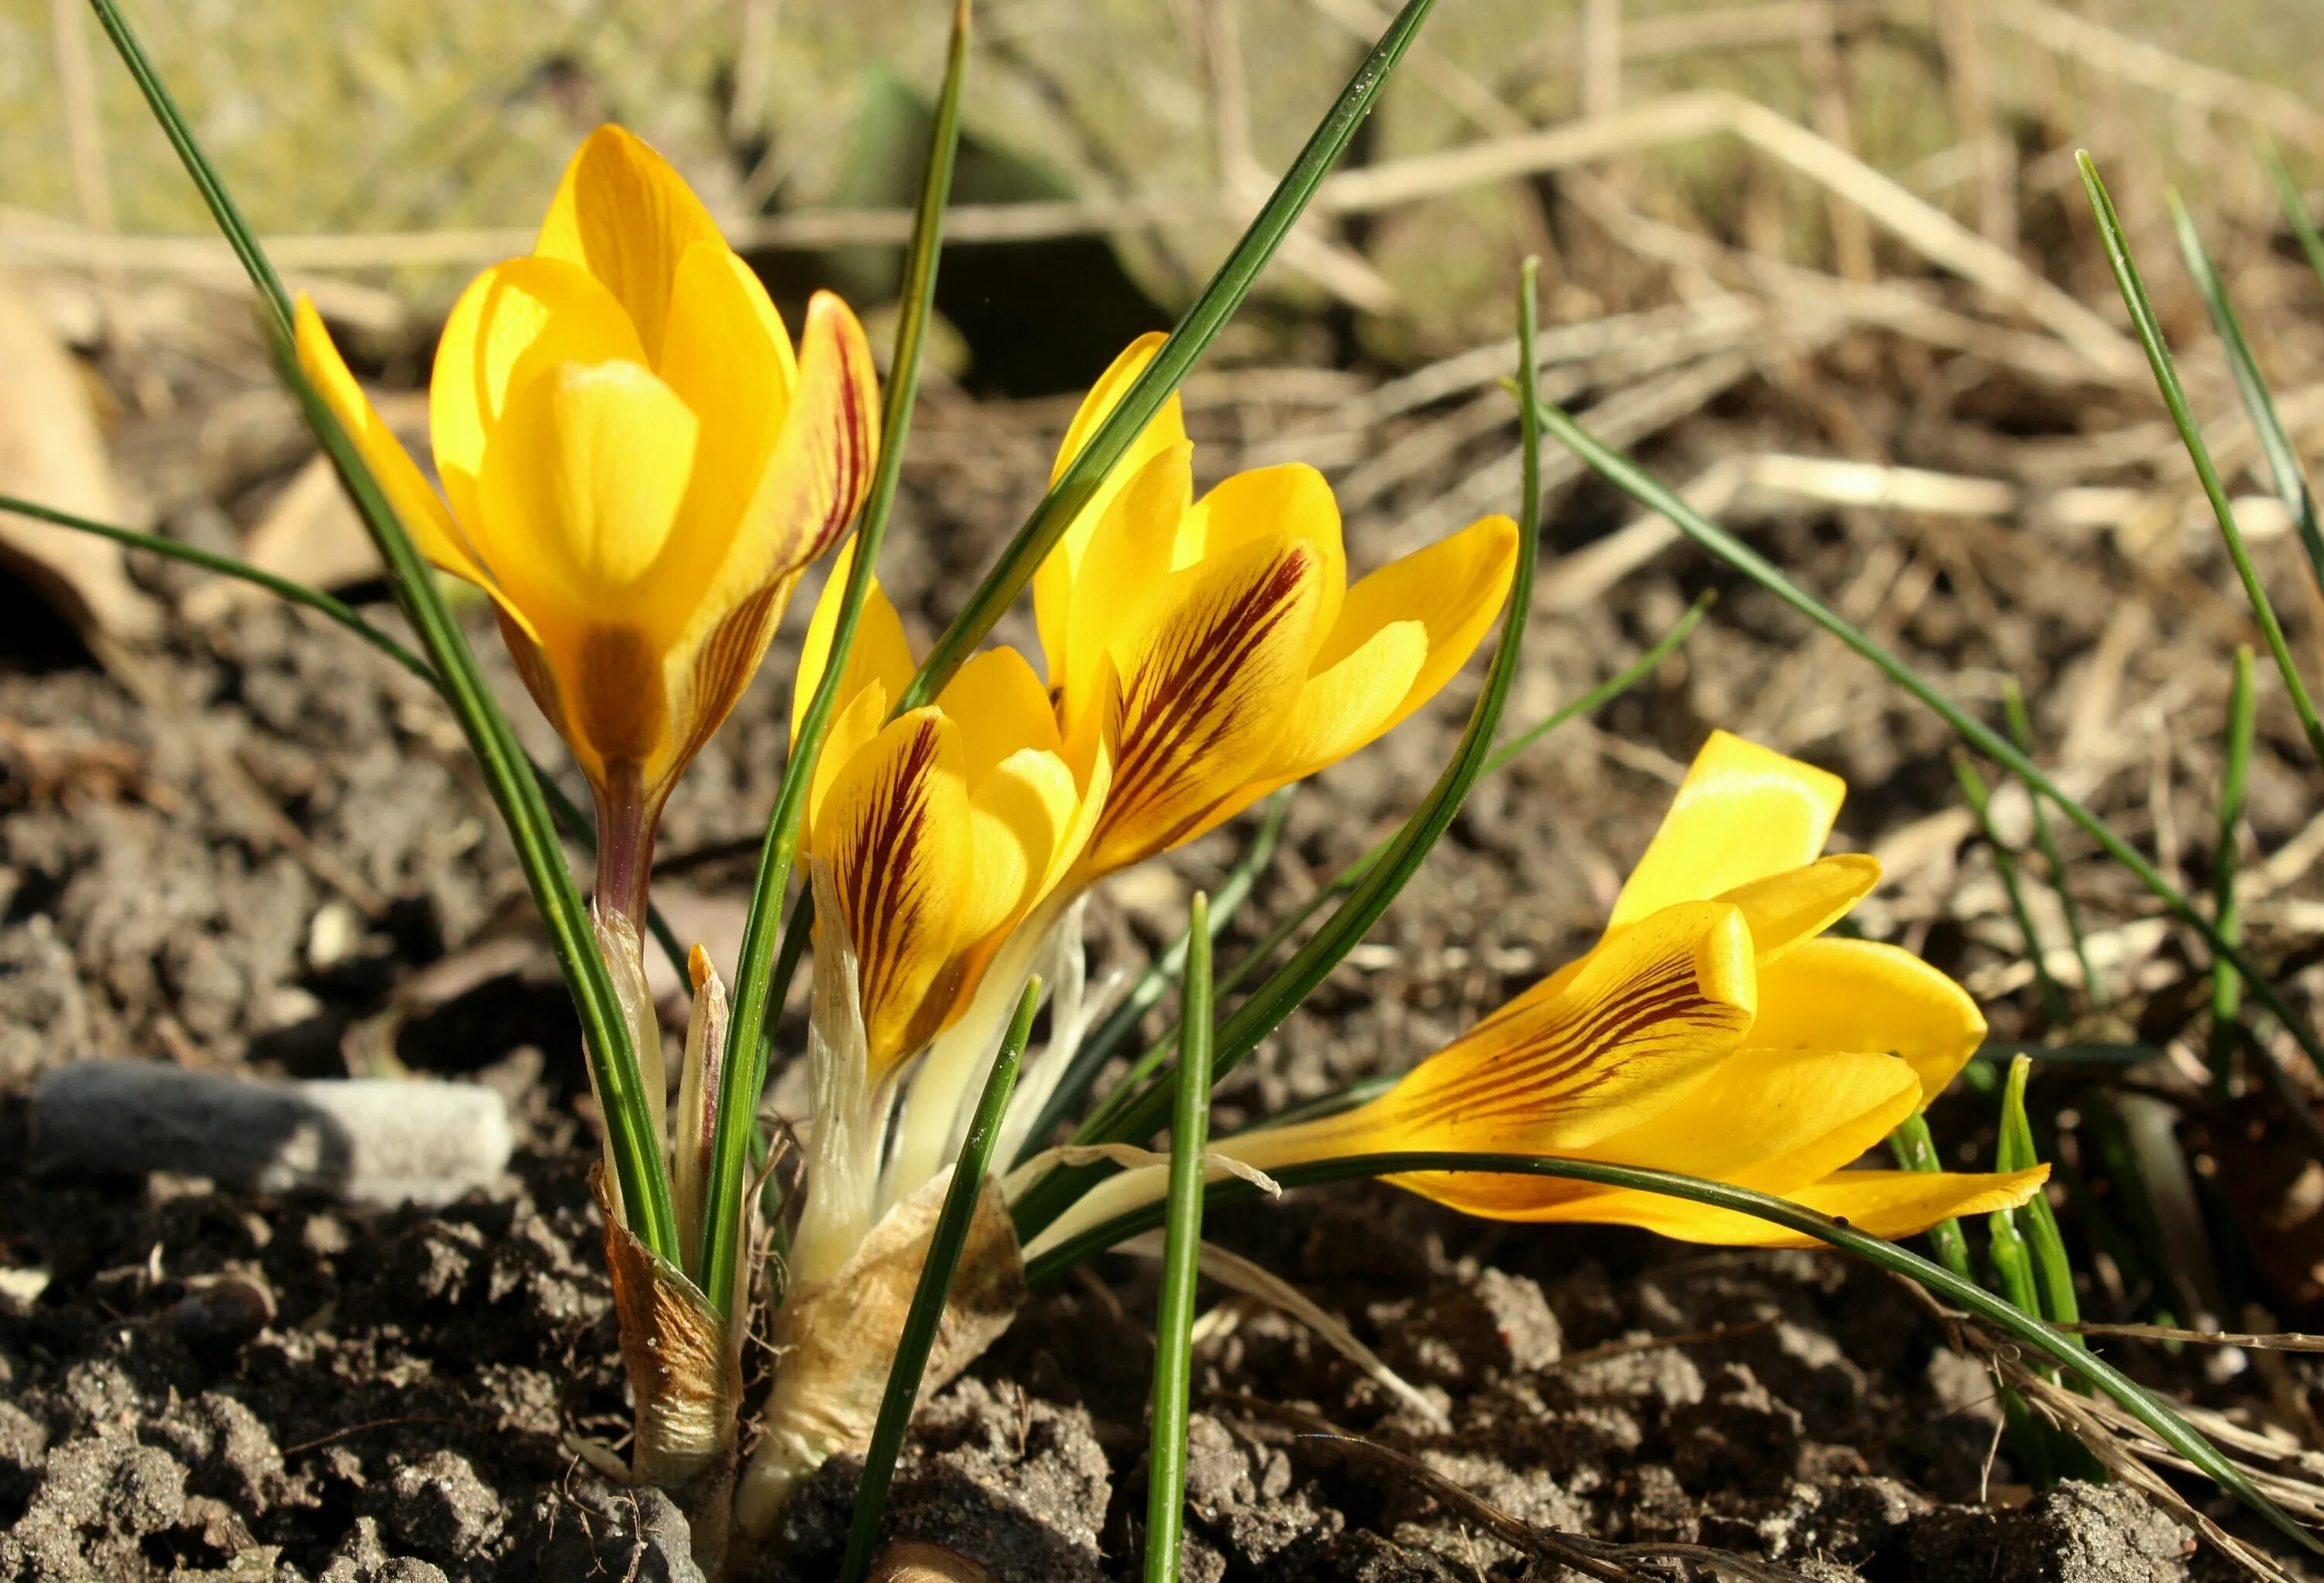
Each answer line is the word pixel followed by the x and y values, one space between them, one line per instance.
pixel 1454 588
pixel 1019 812
pixel 1347 705
pixel 895 830
pixel 1861 995
pixel 852 727
pixel 1650 1017
pixel 1799 904
pixel 1291 500
pixel 879 652
pixel 1001 708
pixel 1124 568
pixel 1745 812
pixel 516 322
pixel 1886 1203
pixel 1205 686
pixel 623 213
pixel 1053 581
pixel 417 506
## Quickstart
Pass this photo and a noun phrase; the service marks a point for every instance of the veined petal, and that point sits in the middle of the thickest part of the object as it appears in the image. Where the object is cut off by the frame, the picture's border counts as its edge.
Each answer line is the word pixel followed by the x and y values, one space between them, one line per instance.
pixel 1745 812
pixel 1205 687
pixel 1772 1120
pixel 422 513
pixel 1862 994
pixel 516 321
pixel 1292 500
pixel 1648 1019
pixel 623 213
pixel 1002 709
pixel 895 830
pixel 879 654
pixel 852 727
pixel 1886 1203
pixel 1123 569
pixel 1454 588
pixel 1797 904
pixel 1053 581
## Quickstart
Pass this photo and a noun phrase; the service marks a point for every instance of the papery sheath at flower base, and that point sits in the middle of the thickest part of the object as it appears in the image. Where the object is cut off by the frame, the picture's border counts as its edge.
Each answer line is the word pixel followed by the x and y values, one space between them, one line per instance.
pixel 635 465
pixel 1712 1031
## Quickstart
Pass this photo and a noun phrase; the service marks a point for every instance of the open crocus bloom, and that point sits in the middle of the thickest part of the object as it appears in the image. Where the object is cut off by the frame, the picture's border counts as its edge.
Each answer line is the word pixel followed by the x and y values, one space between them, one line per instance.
pixel 1217 640
pixel 930 838
pixel 1709 1032
pixel 635 465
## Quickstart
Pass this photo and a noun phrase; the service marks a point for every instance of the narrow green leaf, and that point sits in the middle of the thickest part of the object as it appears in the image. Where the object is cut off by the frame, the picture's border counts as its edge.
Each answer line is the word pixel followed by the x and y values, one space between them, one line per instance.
pixel 2045 838
pixel 1182 1259
pixel 1138 1116
pixel 2303 227
pixel 2053 1271
pixel 1915 1150
pixel 744 1070
pixel 2005 865
pixel 922 1319
pixel 1651 493
pixel 1096 1049
pixel 2191 434
pixel 2150 1410
pixel 2227 984
pixel 605 1034
pixel 1187 340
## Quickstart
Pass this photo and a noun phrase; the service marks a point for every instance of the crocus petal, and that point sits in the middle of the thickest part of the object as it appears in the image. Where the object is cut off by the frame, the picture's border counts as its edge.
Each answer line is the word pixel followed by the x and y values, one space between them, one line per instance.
pixel 1001 708
pixel 1205 686
pixel 894 829
pixel 1292 500
pixel 1861 995
pixel 1019 813
pixel 1799 904
pixel 515 321
pixel 856 722
pixel 1454 588
pixel 879 652
pixel 1651 1016
pixel 623 213
pixel 1053 582
pixel 1346 706
pixel 1745 812
pixel 1886 1203
pixel 1123 567
pixel 417 506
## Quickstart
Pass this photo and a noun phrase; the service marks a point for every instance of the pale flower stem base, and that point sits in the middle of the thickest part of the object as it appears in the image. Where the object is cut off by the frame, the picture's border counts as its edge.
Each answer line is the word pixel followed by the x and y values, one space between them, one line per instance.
pixel 1065 969
pixel 843 1165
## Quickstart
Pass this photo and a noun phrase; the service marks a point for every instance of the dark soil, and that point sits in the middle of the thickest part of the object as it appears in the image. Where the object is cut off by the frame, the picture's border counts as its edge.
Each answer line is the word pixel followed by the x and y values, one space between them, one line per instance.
pixel 268 852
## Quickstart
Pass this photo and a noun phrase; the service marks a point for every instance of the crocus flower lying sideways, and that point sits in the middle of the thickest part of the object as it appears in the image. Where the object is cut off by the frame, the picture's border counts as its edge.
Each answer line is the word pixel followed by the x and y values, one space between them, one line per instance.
pixel 635 467
pixel 1210 650
pixel 1709 1032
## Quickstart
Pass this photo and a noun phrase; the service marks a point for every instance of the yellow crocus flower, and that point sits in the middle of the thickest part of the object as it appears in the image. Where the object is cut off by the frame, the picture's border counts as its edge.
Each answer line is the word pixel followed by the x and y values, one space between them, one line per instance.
pixel 1216 641
pixel 635 465
pixel 1710 1031
pixel 941 828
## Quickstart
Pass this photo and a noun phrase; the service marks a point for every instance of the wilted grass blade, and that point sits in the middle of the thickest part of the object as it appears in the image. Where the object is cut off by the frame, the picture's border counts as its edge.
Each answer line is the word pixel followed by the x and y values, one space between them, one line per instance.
pixel 922 1319
pixel 1182 1255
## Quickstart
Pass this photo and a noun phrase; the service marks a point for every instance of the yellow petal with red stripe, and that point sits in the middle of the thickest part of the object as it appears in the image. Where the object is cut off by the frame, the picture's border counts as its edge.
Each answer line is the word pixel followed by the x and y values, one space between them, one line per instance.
pixel 895 830
pixel 1291 500
pixel 621 213
pixel 1862 994
pixel 1123 569
pixel 1743 812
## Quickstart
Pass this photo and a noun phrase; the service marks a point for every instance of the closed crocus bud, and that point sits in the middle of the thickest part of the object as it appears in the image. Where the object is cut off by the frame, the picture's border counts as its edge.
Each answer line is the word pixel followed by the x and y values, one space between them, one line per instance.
pixel 1712 1031
pixel 635 464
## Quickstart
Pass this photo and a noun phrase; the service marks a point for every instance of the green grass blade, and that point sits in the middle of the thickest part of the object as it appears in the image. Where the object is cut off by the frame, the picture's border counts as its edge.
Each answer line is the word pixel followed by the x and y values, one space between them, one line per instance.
pixel 1187 340
pixel 2039 1337
pixel 2227 984
pixel 569 813
pixel 180 131
pixel 1089 1060
pixel 1915 1150
pixel 922 1319
pixel 1140 1115
pixel 2045 838
pixel 2190 434
pixel 605 1034
pixel 2053 1271
pixel 1181 1259
pixel 2303 228
pixel 1651 493
pixel 744 1070
pixel 2005 865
